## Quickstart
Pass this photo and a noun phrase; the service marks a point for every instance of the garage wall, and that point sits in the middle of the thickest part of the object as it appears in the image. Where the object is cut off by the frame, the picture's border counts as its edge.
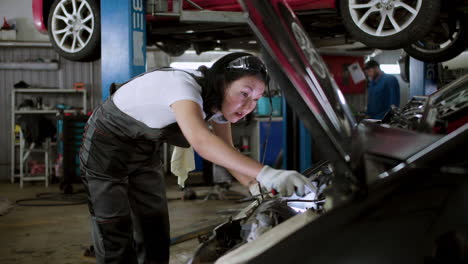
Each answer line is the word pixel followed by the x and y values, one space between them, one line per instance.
pixel 68 73
pixel 356 102
pixel 19 12
pixel 459 62
pixel 392 57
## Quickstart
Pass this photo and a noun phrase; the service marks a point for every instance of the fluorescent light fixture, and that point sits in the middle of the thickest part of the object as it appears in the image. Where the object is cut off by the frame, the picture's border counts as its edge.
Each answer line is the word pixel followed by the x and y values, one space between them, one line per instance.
pixel 190 65
pixel 390 68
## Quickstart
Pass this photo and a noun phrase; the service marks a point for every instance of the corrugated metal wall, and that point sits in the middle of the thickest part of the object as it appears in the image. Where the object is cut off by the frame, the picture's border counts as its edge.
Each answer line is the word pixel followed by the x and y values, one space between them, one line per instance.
pixel 68 73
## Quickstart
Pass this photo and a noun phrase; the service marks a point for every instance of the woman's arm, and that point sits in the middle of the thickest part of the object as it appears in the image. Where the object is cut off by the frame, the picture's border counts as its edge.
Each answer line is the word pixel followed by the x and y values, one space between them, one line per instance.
pixel 224 132
pixel 211 147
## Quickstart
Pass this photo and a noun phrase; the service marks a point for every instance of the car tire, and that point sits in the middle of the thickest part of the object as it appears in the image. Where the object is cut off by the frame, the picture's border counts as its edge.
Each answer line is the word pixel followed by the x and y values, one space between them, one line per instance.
pixel 411 25
pixel 75 29
pixel 454 43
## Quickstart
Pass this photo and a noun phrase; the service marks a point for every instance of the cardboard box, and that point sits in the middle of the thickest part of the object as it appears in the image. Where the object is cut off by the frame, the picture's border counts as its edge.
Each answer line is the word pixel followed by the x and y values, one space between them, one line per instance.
pixel 8 34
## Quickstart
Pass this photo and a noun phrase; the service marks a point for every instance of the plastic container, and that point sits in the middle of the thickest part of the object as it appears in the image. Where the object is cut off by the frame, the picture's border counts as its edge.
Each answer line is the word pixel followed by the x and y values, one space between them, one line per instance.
pixel 277 102
pixel 263 106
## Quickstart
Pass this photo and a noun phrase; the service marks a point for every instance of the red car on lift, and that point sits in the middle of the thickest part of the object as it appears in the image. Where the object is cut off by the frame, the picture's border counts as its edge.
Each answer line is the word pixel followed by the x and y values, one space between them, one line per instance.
pixel 74 25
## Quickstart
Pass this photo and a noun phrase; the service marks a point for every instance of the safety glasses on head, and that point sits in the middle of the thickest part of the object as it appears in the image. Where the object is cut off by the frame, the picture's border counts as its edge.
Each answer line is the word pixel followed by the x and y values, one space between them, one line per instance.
pixel 250 63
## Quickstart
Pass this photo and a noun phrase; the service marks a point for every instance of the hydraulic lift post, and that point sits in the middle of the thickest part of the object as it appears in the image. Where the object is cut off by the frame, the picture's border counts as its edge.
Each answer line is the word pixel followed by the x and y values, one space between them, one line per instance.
pixel 123 41
pixel 423 77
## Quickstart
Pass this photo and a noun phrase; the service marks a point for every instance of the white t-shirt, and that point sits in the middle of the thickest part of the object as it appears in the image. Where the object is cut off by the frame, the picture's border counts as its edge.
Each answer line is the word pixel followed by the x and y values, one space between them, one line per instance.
pixel 148 97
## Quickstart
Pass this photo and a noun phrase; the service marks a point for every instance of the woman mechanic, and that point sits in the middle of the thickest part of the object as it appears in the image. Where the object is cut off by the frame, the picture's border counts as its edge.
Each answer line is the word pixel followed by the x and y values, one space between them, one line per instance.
pixel 120 161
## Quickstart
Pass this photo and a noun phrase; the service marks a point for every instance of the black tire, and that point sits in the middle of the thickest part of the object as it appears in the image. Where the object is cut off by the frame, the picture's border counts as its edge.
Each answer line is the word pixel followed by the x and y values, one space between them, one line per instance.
pixel 66 30
pixel 416 27
pixel 438 49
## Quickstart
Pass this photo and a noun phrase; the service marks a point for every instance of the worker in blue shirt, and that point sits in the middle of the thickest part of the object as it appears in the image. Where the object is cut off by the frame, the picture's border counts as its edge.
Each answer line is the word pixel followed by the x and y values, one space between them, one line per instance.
pixel 383 91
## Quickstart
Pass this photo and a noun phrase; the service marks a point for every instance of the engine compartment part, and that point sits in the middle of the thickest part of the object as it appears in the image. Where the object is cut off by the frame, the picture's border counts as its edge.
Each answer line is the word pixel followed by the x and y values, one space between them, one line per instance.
pixel 439 113
pixel 263 215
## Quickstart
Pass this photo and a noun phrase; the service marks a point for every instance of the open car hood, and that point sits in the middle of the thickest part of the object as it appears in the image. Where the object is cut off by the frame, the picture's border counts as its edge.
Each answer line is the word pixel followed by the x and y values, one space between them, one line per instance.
pixel 297 67
pixel 396 196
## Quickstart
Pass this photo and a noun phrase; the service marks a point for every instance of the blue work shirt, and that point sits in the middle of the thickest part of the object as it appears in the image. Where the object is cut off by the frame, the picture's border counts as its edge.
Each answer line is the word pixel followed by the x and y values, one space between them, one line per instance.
pixel 382 93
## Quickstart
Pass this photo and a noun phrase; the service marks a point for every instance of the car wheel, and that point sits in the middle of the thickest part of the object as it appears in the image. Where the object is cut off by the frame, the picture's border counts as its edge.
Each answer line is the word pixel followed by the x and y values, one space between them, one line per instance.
pixel 389 24
pixel 445 41
pixel 75 29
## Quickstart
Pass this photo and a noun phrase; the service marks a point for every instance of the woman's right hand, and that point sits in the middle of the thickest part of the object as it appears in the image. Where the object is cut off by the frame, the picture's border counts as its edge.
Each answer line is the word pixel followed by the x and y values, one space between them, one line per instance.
pixel 284 182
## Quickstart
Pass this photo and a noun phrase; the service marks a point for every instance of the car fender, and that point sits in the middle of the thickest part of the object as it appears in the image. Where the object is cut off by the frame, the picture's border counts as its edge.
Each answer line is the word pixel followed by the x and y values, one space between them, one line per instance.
pixel 40 10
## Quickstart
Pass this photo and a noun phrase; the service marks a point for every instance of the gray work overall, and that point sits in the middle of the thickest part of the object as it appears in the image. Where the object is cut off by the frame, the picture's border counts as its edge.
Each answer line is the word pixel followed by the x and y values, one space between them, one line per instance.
pixel 122 173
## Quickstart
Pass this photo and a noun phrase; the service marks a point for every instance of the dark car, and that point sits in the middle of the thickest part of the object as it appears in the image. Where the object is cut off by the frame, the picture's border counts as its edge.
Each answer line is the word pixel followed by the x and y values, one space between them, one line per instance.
pixel 386 193
pixel 74 25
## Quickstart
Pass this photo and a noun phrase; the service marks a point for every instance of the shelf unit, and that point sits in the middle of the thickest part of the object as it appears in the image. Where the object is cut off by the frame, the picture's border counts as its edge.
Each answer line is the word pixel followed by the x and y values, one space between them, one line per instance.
pixel 42 66
pixel 47 64
pixel 23 44
pixel 15 112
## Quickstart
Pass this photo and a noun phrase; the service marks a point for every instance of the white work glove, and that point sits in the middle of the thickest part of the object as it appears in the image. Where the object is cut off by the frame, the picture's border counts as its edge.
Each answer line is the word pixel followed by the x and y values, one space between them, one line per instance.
pixel 284 182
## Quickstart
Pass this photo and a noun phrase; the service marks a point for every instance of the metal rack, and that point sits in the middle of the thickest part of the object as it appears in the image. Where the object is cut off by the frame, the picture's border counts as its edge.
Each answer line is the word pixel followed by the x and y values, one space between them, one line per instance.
pixel 23 149
pixel 25 152
pixel 161 8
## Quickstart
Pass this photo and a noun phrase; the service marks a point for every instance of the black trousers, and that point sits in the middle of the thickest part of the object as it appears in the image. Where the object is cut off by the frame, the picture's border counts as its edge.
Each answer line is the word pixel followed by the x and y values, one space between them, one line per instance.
pixel 122 173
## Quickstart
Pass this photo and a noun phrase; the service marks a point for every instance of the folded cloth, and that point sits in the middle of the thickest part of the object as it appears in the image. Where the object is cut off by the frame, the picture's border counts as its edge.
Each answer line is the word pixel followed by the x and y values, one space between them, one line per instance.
pixel 182 162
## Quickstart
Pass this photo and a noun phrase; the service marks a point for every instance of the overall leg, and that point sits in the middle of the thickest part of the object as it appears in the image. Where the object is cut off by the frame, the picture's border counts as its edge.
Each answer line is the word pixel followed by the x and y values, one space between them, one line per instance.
pixel 122 171
pixel 147 194
pixel 111 224
pixel 104 174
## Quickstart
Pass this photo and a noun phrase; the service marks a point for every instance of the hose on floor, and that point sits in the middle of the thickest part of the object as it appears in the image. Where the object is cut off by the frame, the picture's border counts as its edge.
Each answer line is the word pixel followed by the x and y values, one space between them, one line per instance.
pixel 54 199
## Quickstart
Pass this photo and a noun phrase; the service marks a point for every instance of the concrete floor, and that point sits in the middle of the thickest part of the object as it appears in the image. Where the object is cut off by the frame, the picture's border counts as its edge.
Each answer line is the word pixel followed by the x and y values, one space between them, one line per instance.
pixel 60 234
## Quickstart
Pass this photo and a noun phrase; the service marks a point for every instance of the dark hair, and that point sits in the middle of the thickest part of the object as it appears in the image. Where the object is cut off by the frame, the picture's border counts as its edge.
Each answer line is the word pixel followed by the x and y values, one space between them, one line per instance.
pixel 371 64
pixel 219 76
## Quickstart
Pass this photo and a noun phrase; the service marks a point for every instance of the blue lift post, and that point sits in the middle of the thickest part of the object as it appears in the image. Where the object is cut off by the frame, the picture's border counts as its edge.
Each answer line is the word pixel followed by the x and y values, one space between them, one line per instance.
pixel 123 41
pixel 297 142
pixel 305 148
pixel 423 77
